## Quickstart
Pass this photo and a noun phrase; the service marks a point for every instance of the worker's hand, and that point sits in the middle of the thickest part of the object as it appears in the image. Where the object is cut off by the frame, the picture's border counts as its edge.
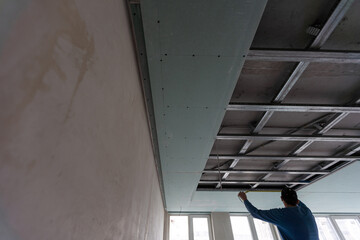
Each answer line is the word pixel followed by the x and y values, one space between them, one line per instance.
pixel 242 195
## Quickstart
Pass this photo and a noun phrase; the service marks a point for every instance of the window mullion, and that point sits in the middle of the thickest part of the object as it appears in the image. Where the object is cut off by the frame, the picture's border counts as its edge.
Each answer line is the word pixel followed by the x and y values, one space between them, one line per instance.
pixel 336 227
pixel 191 230
pixel 252 227
pixel 210 227
pixel 167 226
pixel 273 231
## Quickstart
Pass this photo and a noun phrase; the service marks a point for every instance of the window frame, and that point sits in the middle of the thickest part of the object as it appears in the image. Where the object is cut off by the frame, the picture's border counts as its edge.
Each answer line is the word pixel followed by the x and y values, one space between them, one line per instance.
pixel 254 234
pixel 332 223
pixel 274 230
pixel 250 221
pixel 336 226
pixel 190 224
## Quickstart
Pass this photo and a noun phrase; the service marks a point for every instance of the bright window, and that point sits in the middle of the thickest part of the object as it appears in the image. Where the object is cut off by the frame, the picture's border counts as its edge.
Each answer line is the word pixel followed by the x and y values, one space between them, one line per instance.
pixel 179 228
pixel 245 227
pixel 241 228
pixel 263 230
pixel 189 227
pixel 200 228
pixel 326 229
pixel 349 227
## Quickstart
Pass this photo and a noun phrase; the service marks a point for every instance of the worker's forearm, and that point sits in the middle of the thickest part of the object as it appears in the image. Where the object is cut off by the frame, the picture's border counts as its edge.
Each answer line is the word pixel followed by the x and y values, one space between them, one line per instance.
pixel 250 207
pixel 256 213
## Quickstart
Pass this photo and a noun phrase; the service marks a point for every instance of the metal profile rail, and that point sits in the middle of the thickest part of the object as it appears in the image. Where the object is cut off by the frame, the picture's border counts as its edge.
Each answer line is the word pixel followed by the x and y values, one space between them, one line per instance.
pixel 279 158
pixel 266 137
pixel 302 56
pixel 291 131
pixel 320 39
pixel 292 108
pixel 252 182
pixel 265 171
pixel 237 189
pixel 335 119
pixel 281 95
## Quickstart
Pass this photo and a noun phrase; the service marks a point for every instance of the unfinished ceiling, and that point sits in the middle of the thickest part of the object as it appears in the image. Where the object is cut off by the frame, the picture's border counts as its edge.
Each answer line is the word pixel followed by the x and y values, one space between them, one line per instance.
pixel 289 118
pixel 293 116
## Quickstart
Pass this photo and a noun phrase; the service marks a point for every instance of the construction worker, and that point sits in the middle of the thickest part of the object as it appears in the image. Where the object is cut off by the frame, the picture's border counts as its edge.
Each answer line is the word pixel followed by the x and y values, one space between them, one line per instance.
pixel 295 221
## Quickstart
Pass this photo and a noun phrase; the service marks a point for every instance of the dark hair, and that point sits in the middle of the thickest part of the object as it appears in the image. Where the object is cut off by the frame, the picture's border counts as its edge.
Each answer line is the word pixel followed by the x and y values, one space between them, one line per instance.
pixel 289 196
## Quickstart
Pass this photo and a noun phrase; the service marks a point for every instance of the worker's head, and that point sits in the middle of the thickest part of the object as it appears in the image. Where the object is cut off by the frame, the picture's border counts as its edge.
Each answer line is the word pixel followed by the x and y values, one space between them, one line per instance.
pixel 289 197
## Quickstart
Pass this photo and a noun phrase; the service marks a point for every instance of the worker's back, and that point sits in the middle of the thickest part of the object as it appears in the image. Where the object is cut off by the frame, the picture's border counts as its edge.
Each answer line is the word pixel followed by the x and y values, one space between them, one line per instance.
pixel 295 223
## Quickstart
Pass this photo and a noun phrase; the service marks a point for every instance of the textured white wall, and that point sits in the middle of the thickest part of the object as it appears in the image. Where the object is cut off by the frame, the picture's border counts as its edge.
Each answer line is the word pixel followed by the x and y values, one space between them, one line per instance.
pixel 75 152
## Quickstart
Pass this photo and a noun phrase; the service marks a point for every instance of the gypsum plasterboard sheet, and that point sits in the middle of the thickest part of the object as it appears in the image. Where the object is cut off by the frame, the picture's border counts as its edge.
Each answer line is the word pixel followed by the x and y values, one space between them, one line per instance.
pixel 195 53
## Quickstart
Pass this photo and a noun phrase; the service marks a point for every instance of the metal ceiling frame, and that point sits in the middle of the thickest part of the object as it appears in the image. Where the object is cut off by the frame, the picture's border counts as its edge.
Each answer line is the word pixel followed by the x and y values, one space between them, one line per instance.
pixel 135 16
pixel 265 171
pixel 348 152
pixel 279 158
pixel 292 108
pixel 266 137
pixel 253 182
pixel 302 56
pixel 340 111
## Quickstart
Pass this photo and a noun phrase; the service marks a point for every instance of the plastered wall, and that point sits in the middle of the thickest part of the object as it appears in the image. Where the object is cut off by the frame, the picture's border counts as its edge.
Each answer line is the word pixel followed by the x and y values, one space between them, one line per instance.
pixel 76 160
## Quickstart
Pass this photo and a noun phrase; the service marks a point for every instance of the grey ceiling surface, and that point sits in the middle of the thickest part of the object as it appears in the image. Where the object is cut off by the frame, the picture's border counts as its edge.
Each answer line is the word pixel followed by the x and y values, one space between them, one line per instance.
pixel 196 57
pixel 195 51
pixel 284 23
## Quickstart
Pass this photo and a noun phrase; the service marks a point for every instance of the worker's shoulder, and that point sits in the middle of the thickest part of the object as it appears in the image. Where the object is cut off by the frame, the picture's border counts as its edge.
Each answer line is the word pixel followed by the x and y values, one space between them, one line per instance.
pixel 278 210
pixel 288 210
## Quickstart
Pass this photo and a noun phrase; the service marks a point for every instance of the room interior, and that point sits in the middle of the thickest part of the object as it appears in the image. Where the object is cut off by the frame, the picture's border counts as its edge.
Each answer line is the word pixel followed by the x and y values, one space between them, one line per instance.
pixel 118 115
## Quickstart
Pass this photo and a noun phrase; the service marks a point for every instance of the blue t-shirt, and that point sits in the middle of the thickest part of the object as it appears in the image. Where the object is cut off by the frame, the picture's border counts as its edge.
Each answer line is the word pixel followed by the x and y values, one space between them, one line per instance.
pixel 294 223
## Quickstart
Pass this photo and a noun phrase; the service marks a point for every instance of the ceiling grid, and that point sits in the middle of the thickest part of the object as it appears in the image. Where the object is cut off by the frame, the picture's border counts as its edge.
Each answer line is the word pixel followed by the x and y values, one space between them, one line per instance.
pixel 336 113
pixel 251 95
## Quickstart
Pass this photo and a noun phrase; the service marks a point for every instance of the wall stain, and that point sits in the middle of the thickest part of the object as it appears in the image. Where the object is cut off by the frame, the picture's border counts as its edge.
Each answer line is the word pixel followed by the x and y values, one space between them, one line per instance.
pixel 80 37
pixel 68 24
pixel 31 71
pixel 86 61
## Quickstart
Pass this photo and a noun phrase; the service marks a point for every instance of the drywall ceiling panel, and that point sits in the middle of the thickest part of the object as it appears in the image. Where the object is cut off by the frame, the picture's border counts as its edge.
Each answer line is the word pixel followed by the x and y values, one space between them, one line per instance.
pixel 229 202
pixel 203 27
pixel 343 195
pixel 198 81
pixel 195 52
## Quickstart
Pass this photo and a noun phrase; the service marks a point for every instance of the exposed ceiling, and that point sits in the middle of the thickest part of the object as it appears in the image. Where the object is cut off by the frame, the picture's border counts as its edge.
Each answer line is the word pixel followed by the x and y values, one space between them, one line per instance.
pixel 229 118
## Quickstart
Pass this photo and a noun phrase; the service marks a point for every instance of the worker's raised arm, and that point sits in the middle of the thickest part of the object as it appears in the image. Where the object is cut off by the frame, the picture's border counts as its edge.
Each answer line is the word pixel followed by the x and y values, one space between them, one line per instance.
pixel 271 215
